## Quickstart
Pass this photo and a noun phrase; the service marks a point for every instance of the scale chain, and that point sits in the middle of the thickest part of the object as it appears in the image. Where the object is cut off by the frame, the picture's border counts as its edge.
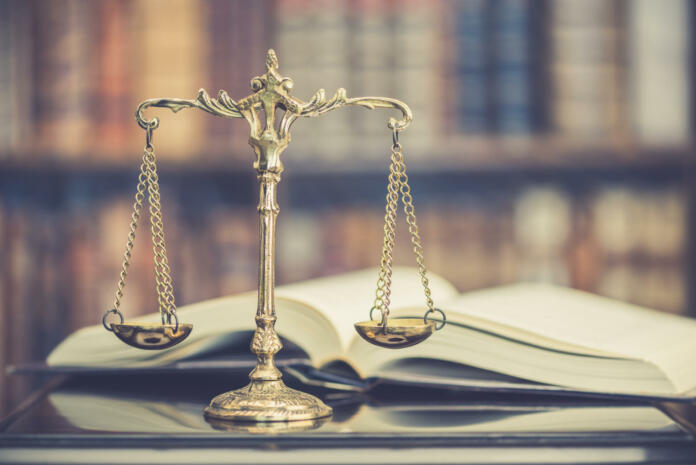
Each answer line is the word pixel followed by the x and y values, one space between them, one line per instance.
pixel 135 217
pixel 398 188
pixel 409 210
pixel 148 182
pixel 165 291
pixel 382 298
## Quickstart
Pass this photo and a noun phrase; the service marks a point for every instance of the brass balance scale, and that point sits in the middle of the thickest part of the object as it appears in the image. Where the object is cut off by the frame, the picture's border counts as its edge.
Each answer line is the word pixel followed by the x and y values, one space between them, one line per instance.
pixel 266 398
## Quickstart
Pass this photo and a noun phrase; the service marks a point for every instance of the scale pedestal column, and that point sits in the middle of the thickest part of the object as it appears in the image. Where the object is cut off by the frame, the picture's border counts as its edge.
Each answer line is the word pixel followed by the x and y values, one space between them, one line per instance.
pixel 266 397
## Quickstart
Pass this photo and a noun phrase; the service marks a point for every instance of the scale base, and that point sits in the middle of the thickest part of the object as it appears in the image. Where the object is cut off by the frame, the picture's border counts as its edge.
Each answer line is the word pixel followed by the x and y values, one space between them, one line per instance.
pixel 267 400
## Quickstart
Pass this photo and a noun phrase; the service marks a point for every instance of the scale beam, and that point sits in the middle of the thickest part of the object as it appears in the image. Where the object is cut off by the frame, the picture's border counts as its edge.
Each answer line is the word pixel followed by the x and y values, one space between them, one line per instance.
pixel 272 93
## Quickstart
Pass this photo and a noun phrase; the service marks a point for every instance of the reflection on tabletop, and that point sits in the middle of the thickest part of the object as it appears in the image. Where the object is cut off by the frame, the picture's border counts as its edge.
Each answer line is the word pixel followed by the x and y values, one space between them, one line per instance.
pixel 168 404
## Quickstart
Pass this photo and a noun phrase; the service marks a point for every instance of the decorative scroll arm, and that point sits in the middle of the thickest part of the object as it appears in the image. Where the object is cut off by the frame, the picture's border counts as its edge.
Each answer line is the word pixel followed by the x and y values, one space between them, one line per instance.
pixel 385 102
pixel 318 105
pixel 222 106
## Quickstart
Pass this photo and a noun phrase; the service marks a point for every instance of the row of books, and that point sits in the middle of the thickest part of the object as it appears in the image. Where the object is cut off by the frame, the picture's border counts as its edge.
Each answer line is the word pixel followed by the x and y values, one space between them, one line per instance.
pixel 73 71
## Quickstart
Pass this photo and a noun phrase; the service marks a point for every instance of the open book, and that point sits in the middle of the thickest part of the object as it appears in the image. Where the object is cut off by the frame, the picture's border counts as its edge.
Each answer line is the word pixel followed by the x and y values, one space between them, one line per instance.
pixel 552 338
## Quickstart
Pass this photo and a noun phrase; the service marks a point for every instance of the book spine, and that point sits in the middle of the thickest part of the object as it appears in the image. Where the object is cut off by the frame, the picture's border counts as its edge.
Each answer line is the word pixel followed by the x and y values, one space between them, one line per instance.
pixel 172 62
pixel 303 256
pixel 642 264
pixel 447 76
pixel 50 281
pixel 64 86
pixel 471 92
pixel 5 317
pixel 371 72
pixel 332 71
pixel 6 81
pixel 659 84
pixel 312 40
pixel 24 312
pixel 257 39
pixel 543 221
pixel 415 70
pixel 295 46
pixel 113 216
pixel 21 86
pixel 238 38
pixel 235 262
pixel 586 70
pixel 112 105
pixel 512 72
pixel 225 25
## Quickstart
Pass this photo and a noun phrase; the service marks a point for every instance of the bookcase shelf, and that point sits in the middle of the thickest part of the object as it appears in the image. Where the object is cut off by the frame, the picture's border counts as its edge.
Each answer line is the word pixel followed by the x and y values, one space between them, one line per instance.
pixel 580 162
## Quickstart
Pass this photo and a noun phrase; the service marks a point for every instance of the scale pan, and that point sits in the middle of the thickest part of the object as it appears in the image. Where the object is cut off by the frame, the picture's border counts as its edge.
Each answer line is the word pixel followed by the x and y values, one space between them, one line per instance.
pixel 152 336
pixel 399 333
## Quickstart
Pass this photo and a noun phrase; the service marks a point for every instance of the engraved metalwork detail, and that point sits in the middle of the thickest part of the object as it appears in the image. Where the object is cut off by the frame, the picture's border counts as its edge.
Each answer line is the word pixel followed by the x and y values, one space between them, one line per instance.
pixel 270 401
pixel 222 106
pixel 267 427
pixel 265 338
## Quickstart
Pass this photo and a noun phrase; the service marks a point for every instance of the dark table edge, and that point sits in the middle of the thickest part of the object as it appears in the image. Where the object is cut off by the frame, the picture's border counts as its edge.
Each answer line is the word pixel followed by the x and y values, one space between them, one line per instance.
pixel 338 440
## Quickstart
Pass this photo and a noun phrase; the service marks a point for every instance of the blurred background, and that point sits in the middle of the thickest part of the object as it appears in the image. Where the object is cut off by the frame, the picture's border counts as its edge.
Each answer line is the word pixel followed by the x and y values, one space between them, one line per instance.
pixel 551 142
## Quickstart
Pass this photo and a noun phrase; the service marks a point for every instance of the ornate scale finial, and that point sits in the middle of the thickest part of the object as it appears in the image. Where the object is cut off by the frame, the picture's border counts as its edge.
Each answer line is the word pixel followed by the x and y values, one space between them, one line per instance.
pixel 271 60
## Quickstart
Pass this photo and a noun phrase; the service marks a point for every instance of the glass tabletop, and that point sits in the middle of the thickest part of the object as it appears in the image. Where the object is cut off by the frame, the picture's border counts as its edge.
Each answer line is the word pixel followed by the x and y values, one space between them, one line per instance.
pixel 158 405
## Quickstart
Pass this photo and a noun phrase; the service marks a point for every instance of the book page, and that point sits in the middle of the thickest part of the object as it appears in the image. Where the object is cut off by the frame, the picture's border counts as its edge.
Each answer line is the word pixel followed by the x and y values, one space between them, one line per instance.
pixel 586 320
pixel 216 323
pixel 469 346
pixel 316 315
pixel 346 299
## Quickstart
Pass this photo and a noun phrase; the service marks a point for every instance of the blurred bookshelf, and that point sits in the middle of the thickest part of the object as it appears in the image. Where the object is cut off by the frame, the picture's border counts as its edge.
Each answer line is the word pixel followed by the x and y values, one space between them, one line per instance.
pixel 552 141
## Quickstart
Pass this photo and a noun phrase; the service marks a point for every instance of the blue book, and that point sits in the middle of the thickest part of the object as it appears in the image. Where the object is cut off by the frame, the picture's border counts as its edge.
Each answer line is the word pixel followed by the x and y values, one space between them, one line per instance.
pixel 511 72
pixel 471 57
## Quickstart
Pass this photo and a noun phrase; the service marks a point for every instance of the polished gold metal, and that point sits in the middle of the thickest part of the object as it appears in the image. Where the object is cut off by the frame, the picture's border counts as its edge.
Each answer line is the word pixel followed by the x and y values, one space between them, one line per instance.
pixel 397 334
pixel 151 336
pixel 267 427
pixel 407 332
pixel 147 335
pixel 266 398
